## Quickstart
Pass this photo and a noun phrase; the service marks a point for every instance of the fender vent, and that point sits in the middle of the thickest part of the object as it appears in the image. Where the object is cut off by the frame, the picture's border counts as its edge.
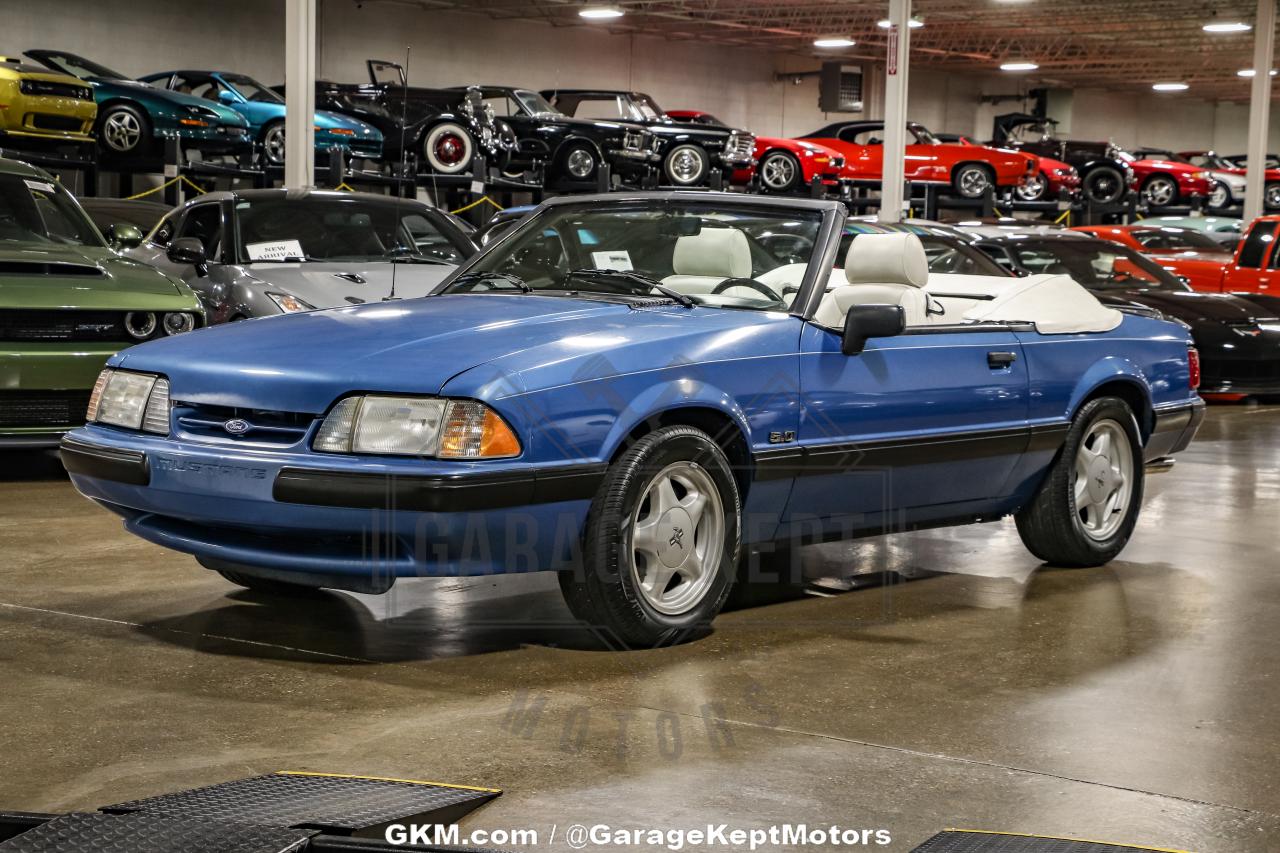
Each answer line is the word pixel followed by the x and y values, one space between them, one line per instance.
pixel 40 268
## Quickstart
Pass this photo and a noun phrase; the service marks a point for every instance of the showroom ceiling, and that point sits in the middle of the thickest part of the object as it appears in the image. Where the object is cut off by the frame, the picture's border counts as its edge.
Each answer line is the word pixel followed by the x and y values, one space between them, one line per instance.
pixel 1114 43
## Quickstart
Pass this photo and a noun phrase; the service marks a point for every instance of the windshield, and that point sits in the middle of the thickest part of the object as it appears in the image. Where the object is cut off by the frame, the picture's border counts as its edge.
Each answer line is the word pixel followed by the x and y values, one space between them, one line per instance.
pixel 535 103
pixel 42 212
pixel 1094 264
pixel 1175 240
pixel 697 254
pixel 339 229
pixel 252 90
pixel 647 106
pixel 923 135
pixel 78 66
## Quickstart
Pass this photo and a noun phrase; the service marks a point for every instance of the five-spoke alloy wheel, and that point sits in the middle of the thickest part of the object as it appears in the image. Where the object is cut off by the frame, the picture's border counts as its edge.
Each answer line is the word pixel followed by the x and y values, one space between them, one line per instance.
pixel 123 129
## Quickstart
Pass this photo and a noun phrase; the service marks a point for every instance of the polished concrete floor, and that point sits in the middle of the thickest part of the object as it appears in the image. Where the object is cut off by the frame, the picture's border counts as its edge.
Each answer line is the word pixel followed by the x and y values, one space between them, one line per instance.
pixel 1132 703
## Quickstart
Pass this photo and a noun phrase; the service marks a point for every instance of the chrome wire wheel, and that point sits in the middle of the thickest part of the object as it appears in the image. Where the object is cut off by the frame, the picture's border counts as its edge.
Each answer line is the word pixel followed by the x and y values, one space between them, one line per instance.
pixel 1104 477
pixel 1033 189
pixel 580 163
pixel 676 539
pixel 122 131
pixel 273 144
pixel 1160 191
pixel 778 171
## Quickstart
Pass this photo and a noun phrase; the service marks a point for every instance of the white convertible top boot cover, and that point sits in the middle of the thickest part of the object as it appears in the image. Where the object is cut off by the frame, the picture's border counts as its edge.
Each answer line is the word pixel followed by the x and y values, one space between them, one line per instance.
pixel 1053 302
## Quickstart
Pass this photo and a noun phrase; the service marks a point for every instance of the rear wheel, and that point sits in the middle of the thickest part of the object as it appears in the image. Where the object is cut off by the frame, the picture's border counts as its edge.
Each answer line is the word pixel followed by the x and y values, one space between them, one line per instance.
pixel 1088 504
pixel 971 180
pixel 661 544
pixel 448 148
pixel 1160 191
pixel 780 172
pixel 578 163
pixel 1104 185
pixel 1271 197
pixel 686 165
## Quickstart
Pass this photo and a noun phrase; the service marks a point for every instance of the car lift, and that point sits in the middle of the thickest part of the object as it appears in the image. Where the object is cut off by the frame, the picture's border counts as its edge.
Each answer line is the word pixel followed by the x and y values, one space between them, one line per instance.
pixel 286 812
pixel 986 841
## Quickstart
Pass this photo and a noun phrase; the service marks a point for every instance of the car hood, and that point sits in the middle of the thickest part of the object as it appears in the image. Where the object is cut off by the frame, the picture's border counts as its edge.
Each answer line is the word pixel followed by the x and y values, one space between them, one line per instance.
pixel 85 277
pixel 323 284
pixel 303 362
pixel 1190 306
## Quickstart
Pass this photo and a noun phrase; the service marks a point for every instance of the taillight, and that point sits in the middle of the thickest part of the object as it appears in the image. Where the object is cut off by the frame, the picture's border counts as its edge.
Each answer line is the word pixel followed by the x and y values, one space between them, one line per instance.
pixel 1193 365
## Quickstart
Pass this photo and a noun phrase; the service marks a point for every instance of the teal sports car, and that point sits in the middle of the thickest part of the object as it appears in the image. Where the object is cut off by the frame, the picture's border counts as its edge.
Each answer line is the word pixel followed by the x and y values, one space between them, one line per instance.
pixel 135 118
pixel 264 110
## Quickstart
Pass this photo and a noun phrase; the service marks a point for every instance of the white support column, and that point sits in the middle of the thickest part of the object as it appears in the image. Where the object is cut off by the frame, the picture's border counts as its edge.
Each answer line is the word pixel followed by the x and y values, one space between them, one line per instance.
pixel 895 111
pixel 300 93
pixel 1264 36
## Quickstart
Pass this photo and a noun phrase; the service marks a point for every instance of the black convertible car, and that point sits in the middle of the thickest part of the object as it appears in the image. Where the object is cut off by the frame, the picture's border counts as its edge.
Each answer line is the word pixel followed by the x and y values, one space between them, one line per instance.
pixel 1238 335
pixel 688 151
pixel 1104 174
pixel 443 128
pixel 571 149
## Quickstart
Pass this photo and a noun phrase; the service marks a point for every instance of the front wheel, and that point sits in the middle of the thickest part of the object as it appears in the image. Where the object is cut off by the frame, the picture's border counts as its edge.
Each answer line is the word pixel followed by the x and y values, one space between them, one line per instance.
pixel 1104 185
pixel 686 165
pixel 780 172
pixel 123 129
pixel 1088 504
pixel 448 148
pixel 1160 191
pixel 1035 188
pixel 578 163
pixel 273 143
pixel 1271 197
pixel 1219 197
pixel 661 542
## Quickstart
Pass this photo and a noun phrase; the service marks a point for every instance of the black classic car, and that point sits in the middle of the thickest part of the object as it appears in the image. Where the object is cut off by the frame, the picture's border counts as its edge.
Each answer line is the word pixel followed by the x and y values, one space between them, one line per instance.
pixel 688 151
pixel 443 128
pixel 1237 334
pixel 571 149
pixel 1105 176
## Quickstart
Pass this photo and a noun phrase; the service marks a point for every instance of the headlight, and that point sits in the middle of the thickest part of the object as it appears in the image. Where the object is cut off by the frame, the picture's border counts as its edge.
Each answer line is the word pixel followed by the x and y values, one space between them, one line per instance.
pixel 1204 176
pixel 416 426
pixel 131 400
pixel 140 324
pixel 289 304
pixel 177 322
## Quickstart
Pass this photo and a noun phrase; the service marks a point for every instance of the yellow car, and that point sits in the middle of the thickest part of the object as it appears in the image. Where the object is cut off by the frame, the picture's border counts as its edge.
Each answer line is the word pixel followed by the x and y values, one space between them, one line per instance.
pixel 37 104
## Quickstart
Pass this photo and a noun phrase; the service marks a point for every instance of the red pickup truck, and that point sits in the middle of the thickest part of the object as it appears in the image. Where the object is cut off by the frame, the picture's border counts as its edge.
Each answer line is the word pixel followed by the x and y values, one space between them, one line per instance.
pixel 1255 267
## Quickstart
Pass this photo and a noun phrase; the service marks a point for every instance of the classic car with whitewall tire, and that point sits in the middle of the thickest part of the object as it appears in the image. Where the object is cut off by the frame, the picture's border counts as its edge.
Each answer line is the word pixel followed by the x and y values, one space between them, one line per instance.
pixel 443 129
pixel 261 253
pixel 571 150
pixel 687 151
pixel 630 390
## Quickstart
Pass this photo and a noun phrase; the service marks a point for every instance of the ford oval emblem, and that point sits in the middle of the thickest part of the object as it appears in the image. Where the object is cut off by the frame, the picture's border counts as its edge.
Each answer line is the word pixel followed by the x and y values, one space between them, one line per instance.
pixel 236 426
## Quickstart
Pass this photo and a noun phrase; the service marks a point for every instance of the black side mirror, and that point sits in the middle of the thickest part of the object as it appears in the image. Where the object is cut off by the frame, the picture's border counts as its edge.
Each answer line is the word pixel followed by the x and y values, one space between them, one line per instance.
pixel 187 250
pixel 864 322
pixel 122 235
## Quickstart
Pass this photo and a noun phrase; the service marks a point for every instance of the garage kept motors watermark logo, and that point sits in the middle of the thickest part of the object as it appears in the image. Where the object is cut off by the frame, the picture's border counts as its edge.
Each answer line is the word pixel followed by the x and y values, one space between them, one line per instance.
pixel 601 836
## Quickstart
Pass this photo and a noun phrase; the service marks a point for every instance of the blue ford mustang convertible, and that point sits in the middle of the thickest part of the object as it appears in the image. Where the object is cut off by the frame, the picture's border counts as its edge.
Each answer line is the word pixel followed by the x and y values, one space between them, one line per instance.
pixel 632 390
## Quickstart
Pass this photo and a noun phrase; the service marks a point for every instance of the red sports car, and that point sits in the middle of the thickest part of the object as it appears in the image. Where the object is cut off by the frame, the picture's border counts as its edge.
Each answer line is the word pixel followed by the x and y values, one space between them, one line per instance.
pixel 783 164
pixel 1052 177
pixel 1166 182
pixel 1182 251
pixel 970 169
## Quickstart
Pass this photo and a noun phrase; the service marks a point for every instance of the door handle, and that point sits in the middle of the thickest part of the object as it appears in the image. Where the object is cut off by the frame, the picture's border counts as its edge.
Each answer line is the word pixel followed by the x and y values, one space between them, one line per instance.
pixel 1001 360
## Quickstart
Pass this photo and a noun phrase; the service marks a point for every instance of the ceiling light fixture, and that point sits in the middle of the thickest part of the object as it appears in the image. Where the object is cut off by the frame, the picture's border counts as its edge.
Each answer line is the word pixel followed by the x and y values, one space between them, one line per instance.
pixel 1018 66
pixel 834 41
pixel 913 23
pixel 1170 87
pixel 1228 27
pixel 600 13
pixel 1249 72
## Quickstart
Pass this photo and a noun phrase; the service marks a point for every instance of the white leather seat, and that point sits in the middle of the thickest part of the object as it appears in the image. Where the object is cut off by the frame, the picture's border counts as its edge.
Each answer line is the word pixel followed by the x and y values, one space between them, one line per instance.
pixel 880 269
pixel 702 261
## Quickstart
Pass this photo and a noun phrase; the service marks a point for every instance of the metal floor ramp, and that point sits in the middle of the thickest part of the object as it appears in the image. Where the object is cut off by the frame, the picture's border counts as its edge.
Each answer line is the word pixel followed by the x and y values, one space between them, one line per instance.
pixel 277 813
pixel 979 841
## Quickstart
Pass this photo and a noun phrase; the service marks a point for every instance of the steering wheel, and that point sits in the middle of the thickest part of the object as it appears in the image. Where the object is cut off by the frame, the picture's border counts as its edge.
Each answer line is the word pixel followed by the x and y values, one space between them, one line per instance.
pixel 749 283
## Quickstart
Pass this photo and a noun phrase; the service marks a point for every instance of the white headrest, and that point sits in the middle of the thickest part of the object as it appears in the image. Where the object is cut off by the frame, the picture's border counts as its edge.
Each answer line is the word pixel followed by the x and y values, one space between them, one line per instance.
pixel 887 259
pixel 717 252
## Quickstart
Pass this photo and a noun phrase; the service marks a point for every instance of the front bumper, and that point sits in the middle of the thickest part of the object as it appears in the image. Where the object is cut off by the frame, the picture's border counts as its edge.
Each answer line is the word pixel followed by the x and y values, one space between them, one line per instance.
pixel 291 511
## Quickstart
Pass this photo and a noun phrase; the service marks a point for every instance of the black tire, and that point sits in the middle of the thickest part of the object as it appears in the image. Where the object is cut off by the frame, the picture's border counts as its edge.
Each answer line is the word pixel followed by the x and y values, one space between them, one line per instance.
pixel 1271 196
pixel 1050 524
pixel 1219 197
pixel 1035 191
pixel 269 586
pixel 780 172
pixel 121 124
pixel 972 180
pixel 604 592
pixel 1104 185
pixel 447 148
pixel 1160 191
pixel 577 163
pixel 686 165
pixel 271 155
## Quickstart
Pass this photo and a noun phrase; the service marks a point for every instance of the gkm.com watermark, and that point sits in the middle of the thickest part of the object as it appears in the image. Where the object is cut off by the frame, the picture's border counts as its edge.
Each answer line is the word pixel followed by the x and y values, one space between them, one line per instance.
pixel 601 836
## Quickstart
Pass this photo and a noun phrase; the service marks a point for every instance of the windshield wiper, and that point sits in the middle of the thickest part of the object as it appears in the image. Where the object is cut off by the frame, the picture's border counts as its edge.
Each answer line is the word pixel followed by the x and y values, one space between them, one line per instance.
pixel 514 280
pixel 637 278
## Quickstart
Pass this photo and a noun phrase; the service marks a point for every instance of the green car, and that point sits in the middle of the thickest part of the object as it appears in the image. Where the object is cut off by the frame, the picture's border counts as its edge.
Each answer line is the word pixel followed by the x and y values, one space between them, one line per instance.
pixel 68 301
